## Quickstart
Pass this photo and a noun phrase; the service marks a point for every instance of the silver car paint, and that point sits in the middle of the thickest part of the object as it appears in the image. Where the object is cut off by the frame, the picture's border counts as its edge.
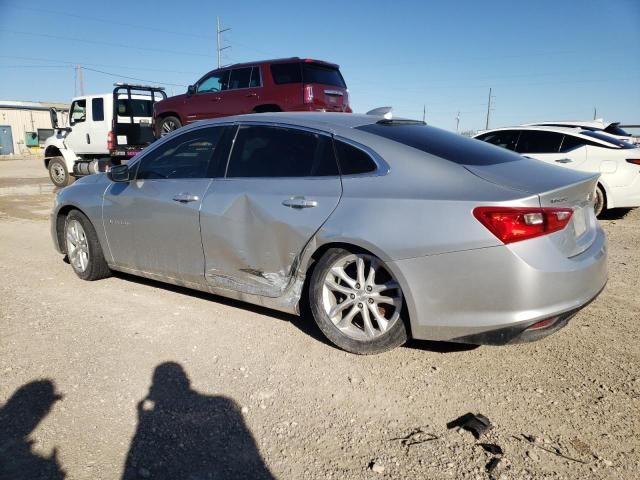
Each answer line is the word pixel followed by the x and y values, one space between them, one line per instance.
pixel 456 276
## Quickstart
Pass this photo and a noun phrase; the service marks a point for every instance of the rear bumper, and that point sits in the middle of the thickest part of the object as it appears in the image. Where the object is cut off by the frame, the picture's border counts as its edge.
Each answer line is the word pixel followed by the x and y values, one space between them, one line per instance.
pixel 492 295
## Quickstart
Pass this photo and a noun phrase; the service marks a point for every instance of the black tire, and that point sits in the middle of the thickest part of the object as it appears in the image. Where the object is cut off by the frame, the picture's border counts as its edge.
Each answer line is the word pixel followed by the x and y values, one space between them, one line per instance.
pixel 392 338
pixel 167 125
pixel 96 267
pixel 59 174
pixel 600 204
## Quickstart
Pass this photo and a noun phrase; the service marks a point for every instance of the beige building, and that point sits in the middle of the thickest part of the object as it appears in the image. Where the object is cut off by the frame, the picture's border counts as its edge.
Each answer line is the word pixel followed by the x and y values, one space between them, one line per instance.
pixel 24 126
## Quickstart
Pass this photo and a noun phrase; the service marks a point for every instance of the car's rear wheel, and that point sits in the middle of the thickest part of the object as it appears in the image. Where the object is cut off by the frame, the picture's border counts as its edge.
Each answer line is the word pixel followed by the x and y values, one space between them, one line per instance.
pixel 600 204
pixel 168 125
pixel 58 172
pixel 357 302
pixel 83 248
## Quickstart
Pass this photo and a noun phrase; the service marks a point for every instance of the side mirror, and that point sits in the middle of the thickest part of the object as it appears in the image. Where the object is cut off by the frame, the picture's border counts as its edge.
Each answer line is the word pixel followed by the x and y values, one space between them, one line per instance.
pixel 191 90
pixel 53 115
pixel 119 173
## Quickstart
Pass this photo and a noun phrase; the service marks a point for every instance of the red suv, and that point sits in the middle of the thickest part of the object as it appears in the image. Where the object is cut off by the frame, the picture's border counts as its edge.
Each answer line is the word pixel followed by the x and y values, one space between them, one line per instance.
pixel 288 84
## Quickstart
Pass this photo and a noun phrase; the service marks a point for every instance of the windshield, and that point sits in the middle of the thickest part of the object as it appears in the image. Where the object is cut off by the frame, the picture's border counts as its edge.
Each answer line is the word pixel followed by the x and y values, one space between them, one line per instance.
pixel 609 139
pixel 135 107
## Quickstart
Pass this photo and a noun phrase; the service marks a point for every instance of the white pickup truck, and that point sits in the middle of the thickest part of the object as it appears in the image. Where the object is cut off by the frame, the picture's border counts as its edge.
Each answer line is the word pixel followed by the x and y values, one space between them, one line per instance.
pixel 103 130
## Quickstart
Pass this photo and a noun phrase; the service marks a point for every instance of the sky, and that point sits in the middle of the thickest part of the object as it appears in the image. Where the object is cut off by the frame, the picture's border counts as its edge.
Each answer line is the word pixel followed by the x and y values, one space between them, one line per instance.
pixel 544 59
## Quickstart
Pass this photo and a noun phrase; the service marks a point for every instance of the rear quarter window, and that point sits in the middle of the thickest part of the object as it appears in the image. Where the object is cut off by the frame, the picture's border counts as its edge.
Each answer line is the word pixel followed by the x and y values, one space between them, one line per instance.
pixel 353 160
pixel 284 73
pixel 449 146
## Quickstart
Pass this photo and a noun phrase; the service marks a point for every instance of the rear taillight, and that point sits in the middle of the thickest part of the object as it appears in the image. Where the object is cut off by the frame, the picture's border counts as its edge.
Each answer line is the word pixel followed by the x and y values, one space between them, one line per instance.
pixel 635 161
pixel 511 224
pixel 308 94
pixel 110 141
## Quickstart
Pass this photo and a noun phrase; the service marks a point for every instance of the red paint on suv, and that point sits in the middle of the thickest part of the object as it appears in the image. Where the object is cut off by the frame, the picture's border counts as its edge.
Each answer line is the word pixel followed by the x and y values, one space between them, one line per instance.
pixel 288 84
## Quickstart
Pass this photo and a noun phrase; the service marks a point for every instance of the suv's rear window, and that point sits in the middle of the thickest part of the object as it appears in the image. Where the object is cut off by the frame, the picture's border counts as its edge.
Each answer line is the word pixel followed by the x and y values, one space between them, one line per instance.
pixel 306 72
pixel 443 144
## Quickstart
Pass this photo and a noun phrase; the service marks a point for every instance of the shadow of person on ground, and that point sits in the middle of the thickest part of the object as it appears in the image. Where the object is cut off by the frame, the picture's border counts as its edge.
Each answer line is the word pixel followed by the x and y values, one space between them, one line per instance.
pixel 18 418
pixel 183 434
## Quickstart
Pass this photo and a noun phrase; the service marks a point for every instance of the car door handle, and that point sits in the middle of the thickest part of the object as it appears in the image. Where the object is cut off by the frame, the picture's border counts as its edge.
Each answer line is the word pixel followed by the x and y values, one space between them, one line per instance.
pixel 216 99
pixel 299 202
pixel 185 198
pixel 252 94
pixel 564 160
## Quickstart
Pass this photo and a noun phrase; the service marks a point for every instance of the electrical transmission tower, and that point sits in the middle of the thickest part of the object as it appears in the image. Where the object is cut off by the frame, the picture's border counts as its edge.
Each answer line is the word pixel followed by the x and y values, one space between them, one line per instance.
pixel 219 33
pixel 491 97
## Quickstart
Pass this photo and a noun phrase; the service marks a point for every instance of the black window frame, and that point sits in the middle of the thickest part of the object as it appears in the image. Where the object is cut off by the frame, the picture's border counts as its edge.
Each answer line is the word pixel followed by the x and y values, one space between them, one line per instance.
pixel 97 101
pixel 372 156
pixel 216 160
pixel 73 104
pixel 309 131
pixel 255 68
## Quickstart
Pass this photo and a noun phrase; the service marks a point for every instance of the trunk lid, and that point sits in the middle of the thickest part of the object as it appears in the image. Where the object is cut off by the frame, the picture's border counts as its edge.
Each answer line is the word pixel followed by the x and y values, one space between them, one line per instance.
pixel 556 187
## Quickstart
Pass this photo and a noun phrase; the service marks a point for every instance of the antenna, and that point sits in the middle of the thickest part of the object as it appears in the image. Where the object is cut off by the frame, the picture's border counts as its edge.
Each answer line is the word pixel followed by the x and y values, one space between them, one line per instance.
pixel 219 49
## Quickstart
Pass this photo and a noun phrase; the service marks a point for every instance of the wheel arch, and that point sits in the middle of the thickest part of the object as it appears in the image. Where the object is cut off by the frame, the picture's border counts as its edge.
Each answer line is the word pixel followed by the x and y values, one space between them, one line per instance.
pixel 61 218
pixel 51 151
pixel 607 197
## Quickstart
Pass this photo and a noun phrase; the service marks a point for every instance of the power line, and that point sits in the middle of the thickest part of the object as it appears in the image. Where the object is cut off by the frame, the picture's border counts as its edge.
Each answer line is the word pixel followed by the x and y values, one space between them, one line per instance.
pixel 82 40
pixel 133 78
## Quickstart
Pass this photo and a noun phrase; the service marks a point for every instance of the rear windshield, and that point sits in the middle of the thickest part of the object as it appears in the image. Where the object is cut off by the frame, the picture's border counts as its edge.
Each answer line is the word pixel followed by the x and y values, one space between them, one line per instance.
pixel 306 72
pixel 135 107
pixel 443 144
pixel 609 139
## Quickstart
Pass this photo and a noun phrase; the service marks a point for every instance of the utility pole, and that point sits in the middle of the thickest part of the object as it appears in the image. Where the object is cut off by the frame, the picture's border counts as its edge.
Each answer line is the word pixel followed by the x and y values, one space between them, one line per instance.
pixel 458 123
pixel 486 127
pixel 424 112
pixel 219 49
pixel 595 113
pixel 79 82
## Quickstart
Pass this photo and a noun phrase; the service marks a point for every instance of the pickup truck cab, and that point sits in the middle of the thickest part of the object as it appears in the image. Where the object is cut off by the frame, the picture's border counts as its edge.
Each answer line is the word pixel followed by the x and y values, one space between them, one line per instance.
pixel 104 130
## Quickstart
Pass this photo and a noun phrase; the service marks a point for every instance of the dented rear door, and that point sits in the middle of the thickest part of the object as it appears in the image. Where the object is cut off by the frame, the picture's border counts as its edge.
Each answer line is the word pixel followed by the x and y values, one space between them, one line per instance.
pixel 281 185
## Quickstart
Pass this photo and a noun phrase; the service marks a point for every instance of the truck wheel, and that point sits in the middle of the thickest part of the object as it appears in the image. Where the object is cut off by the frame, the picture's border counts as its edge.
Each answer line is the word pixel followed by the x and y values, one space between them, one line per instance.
pixel 167 125
pixel 58 172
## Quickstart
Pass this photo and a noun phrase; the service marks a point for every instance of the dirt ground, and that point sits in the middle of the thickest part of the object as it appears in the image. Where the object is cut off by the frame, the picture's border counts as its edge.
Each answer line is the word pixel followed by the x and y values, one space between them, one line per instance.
pixel 128 378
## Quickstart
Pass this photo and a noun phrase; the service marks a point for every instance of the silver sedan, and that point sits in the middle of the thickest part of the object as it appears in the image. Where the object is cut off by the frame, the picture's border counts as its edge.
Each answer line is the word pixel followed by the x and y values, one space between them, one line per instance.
pixel 392 229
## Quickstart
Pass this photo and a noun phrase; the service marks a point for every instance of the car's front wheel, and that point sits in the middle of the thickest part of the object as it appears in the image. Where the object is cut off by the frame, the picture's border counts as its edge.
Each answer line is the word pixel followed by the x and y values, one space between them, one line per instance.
pixel 83 248
pixel 357 302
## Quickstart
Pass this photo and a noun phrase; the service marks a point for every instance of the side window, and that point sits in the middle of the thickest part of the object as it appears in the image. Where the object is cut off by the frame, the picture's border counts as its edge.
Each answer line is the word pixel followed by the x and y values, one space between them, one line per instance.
pixel 286 73
pixel 281 152
pixel 353 160
pixel 538 141
pixel 240 78
pixel 216 82
pixel 184 156
pixel 97 109
pixel 570 142
pixel 256 79
pixel 502 138
pixel 78 112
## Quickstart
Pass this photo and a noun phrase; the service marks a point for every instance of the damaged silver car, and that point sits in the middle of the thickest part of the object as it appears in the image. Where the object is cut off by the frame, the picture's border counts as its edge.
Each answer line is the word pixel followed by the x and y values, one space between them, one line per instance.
pixel 393 229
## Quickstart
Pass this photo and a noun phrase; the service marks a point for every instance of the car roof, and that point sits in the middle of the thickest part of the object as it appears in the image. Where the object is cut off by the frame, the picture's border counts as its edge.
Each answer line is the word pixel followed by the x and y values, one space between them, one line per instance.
pixel 576 131
pixel 328 121
pixel 576 123
pixel 278 60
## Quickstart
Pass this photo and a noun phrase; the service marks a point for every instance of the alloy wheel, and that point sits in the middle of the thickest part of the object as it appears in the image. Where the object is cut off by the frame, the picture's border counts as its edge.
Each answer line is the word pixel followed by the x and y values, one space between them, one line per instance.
pixel 77 246
pixel 361 297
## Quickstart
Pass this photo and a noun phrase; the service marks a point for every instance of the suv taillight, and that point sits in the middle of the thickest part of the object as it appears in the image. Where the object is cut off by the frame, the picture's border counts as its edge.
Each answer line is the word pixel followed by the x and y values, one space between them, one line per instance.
pixel 308 94
pixel 511 224
pixel 635 161
pixel 110 141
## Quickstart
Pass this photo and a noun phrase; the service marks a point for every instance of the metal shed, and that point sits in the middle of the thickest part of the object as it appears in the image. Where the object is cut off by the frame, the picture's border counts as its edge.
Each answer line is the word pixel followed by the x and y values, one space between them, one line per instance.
pixel 24 126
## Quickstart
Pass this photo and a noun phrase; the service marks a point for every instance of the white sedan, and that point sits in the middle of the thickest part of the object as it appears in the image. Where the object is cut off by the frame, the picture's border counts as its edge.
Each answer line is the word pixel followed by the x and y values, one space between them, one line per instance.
pixel 617 161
